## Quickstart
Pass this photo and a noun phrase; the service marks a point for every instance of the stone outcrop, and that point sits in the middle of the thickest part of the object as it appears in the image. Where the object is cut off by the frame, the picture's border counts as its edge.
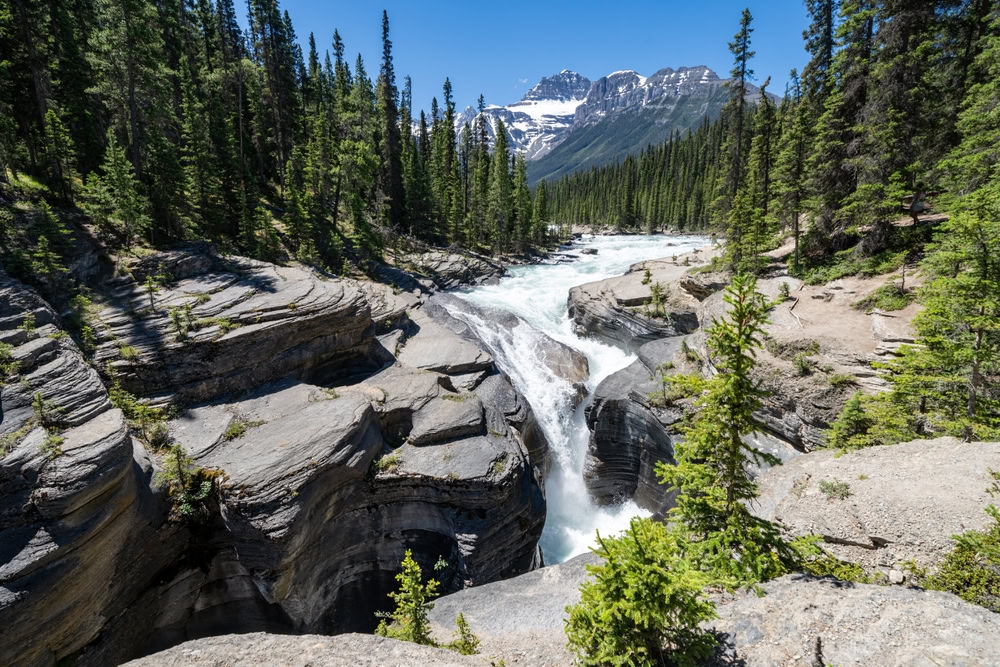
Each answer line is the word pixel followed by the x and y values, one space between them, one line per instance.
pixel 796 620
pixel 905 501
pixel 519 620
pixel 616 311
pixel 822 326
pixel 192 339
pixel 628 437
pixel 347 650
pixel 632 428
pixel 333 456
pixel 76 509
pixel 807 621
pixel 446 269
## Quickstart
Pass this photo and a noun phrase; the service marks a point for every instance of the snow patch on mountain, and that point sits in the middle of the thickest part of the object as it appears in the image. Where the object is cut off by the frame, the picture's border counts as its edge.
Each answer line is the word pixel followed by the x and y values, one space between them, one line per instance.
pixel 562 103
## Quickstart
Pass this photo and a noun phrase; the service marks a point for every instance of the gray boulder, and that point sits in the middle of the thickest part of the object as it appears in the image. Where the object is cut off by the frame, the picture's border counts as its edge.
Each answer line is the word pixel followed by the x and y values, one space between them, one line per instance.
pixel 520 620
pixel 807 621
pixel 615 309
pixel 905 501
pixel 347 650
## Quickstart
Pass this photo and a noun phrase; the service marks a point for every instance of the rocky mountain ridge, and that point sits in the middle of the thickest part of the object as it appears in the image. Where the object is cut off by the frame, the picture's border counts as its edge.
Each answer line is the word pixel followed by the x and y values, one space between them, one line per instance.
pixel 567 106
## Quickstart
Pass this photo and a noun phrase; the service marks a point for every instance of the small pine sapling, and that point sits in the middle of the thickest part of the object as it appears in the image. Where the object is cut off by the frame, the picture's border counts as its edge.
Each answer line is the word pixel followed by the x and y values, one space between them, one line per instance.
pixel 408 621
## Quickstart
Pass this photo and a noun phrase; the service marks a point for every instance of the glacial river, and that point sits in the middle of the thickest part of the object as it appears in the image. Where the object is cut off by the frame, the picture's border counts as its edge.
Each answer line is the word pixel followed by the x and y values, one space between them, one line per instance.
pixel 537 293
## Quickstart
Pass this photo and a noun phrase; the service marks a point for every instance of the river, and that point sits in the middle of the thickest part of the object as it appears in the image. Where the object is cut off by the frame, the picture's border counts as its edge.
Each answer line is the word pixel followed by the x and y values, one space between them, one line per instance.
pixel 537 293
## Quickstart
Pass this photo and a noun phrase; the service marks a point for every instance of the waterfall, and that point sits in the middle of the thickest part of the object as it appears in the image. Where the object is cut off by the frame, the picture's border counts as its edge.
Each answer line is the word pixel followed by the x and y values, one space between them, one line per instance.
pixel 537 293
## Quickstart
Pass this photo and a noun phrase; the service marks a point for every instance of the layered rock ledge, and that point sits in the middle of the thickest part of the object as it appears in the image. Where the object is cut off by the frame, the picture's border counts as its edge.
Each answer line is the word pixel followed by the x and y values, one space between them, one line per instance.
pixel 333 458
pixel 796 620
pixel 615 310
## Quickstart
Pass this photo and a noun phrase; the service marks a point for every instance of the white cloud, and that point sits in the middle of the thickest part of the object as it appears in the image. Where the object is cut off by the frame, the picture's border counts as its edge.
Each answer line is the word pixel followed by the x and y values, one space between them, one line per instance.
pixel 523 80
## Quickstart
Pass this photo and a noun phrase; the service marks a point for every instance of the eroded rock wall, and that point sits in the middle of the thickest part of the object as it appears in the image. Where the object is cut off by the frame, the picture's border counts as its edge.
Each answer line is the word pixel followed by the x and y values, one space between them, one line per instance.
pixel 334 459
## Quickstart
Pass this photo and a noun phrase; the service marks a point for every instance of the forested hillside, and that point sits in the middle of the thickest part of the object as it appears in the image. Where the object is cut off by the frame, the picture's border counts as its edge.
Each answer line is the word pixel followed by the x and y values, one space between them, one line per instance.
pixel 165 121
pixel 897 99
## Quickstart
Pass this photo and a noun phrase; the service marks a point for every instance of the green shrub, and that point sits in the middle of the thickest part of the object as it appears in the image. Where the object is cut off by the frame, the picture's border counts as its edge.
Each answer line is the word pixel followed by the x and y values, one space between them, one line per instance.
pixel 464 640
pixel 888 297
pixel 835 490
pixel 46 412
pixel 689 352
pixel 127 352
pixel 388 463
pixel 180 325
pixel 838 380
pixel 52 446
pixel 828 566
pixel 408 621
pixel 158 435
pixel 803 364
pixel 28 325
pixel 10 440
pixel 971 570
pixel 238 428
pixel 8 366
pixel 644 604
pixel 500 464
pixel 189 486
pixel 646 277
pixel 866 421
pixel 850 263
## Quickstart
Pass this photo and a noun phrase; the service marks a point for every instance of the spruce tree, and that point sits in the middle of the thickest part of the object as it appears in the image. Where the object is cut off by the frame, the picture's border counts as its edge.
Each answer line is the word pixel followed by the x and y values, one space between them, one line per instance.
pixel 712 477
pixel 540 213
pixel 790 165
pixel 522 203
pixel 391 167
pixel 500 210
pixel 735 113
pixel 820 42
pixel 114 199
pixel 59 145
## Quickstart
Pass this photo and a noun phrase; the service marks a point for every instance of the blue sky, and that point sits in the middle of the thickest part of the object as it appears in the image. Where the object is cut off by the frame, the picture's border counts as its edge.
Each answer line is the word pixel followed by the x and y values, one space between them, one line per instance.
pixel 501 49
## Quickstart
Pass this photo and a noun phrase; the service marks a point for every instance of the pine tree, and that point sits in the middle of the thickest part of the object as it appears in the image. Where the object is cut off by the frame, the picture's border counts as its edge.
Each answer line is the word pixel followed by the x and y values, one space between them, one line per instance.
pixel 408 622
pixel 522 203
pixel 712 475
pixel 820 41
pixel 735 113
pixel 887 160
pixel 61 152
pixel 391 167
pixel 835 134
pixel 973 162
pixel 735 109
pixel 790 165
pixel 126 53
pixel 959 326
pixel 114 199
pixel 500 208
pixel 540 214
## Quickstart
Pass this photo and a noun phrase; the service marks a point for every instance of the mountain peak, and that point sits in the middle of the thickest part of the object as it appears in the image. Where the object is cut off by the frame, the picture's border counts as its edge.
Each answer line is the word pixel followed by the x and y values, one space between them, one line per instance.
pixel 565 86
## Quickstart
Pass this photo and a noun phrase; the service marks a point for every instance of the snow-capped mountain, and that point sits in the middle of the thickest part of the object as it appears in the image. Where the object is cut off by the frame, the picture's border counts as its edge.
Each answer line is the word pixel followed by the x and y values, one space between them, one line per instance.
pixel 628 90
pixel 537 122
pixel 567 122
